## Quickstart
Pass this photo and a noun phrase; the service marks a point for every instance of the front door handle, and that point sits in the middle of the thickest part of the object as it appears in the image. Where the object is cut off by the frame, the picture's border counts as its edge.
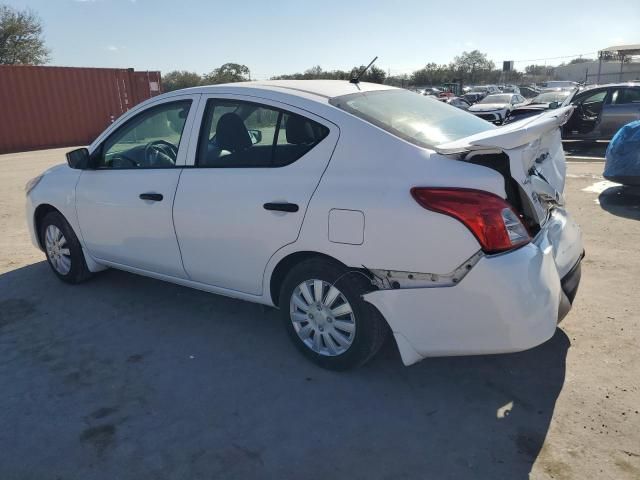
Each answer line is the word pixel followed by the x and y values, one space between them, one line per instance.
pixel 281 207
pixel 155 197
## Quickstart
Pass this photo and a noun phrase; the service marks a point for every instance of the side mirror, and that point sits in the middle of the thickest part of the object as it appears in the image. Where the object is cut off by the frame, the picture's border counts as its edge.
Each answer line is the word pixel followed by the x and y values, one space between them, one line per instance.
pixel 553 105
pixel 78 159
pixel 256 136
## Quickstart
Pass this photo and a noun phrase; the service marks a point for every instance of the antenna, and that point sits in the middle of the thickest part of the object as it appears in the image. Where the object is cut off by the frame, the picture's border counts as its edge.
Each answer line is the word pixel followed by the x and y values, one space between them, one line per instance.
pixel 356 79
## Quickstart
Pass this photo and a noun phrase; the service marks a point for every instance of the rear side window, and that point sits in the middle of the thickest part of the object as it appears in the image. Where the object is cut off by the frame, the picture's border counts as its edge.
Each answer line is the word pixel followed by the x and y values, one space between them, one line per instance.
pixel 418 119
pixel 627 95
pixel 249 135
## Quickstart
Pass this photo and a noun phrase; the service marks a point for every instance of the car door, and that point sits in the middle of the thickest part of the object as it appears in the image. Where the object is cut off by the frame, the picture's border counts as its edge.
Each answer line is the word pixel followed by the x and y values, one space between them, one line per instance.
pixel 124 202
pixel 622 107
pixel 586 118
pixel 255 166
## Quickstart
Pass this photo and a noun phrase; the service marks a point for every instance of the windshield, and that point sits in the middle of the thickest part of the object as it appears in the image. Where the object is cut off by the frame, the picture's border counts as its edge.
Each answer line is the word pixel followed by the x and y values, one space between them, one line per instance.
pixel 551 97
pixel 496 99
pixel 421 120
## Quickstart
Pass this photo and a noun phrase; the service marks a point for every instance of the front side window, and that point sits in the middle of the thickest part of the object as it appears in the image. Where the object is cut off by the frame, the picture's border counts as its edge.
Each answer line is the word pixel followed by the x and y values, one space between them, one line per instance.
pixel 591 105
pixel 238 134
pixel 149 140
pixel 417 119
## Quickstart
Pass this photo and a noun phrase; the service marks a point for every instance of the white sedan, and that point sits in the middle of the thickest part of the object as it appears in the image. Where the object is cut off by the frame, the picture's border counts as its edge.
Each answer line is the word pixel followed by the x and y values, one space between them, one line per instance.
pixel 495 108
pixel 356 209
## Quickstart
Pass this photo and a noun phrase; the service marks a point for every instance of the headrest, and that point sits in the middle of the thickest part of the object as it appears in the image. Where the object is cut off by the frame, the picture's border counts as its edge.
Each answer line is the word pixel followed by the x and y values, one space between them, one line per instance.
pixel 231 134
pixel 299 130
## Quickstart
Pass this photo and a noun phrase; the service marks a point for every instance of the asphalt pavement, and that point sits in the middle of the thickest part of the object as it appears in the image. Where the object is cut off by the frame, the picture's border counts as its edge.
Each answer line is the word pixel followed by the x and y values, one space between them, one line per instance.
pixel 126 377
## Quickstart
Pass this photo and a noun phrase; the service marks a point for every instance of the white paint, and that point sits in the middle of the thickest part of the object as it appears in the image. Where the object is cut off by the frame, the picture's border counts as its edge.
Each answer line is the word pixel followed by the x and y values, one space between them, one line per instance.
pixel 599 187
pixel 506 303
pixel 346 226
pixel 212 233
pixel 504 410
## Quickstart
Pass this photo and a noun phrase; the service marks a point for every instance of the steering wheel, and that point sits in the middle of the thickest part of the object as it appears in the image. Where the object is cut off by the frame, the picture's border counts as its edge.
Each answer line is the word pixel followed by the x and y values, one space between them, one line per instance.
pixel 160 153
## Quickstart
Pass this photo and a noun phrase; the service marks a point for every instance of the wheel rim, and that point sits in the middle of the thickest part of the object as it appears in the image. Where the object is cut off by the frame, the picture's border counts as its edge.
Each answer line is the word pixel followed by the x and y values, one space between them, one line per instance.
pixel 57 250
pixel 322 317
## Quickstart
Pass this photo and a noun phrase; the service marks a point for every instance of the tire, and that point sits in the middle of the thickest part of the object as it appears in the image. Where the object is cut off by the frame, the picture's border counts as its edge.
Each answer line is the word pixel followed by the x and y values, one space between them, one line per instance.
pixel 64 253
pixel 363 329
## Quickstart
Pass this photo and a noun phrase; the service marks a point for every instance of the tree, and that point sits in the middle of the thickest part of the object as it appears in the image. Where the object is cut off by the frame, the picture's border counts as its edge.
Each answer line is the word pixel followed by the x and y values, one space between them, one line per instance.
pixel 581 60
pixel 373 74
pixel 468 63
pixel 538 73
pixel 21 39
pixel 431 74
pixel 227 73
pixel 535 69
pixel 401 80
pixel 176 80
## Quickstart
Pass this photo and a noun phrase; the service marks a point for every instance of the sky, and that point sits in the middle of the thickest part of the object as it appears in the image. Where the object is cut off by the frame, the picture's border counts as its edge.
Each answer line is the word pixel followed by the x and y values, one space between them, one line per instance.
pixel 285 36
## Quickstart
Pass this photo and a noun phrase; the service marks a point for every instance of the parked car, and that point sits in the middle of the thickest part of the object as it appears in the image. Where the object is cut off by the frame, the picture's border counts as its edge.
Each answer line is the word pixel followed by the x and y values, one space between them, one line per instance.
pixel 486 89
pixel 529 91
pixel 601 111
pixel 432 91
pixel 539 104
pixel 562 84
pixel 494 108
pixel 358 211
pixel 459 102
pixel 511 89
pixel 473 97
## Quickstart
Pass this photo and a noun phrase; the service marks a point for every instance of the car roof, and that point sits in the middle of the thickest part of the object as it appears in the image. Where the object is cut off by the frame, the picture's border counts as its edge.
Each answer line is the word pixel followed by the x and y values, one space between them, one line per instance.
pixel 320 90
pixel 619 84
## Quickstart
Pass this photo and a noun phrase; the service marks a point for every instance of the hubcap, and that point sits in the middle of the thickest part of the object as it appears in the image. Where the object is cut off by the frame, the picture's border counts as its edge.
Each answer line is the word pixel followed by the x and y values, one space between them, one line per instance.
pixel 322 317
pixel 57 250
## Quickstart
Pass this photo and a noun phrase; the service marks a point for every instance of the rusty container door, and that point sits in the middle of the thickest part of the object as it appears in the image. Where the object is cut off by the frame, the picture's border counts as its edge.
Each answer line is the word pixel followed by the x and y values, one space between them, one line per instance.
pixel 44 107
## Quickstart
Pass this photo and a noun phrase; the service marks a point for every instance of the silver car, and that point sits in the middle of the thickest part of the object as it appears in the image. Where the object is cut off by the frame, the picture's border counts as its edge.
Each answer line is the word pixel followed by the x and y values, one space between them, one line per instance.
pixel 601 111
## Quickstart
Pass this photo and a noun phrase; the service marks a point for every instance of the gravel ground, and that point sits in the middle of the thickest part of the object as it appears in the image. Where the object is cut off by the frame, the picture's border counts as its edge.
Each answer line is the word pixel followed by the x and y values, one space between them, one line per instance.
pixel 125 377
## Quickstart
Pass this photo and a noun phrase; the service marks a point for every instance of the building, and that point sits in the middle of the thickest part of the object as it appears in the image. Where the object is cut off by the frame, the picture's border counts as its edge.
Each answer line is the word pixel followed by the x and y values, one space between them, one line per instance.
pixel 615 64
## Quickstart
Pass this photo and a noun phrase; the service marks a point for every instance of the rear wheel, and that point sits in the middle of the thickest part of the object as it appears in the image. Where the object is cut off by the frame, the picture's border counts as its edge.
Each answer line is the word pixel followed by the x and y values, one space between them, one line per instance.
pixel 326 317
pixel 63 249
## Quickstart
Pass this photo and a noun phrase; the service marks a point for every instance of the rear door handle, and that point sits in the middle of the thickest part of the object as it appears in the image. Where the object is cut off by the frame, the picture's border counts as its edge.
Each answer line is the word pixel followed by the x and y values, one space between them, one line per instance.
pixel 156 197
pixel 281 207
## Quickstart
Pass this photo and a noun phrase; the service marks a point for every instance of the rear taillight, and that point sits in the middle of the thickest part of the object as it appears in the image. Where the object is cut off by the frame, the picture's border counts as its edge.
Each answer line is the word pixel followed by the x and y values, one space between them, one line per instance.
pixel 490 218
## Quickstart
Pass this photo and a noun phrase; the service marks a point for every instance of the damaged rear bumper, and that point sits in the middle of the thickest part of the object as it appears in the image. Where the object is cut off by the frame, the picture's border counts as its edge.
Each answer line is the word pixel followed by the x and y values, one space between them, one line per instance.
pixel 506 303
pixel 569 285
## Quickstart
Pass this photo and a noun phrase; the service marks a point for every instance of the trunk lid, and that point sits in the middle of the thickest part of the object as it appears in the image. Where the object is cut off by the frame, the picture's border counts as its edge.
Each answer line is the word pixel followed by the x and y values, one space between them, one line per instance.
pixel 535 152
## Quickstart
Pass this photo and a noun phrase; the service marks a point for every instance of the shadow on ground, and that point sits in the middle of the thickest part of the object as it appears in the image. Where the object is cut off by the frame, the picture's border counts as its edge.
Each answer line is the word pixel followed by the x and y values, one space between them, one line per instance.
pixel 127 377
pixel 578 148
pixel 622 201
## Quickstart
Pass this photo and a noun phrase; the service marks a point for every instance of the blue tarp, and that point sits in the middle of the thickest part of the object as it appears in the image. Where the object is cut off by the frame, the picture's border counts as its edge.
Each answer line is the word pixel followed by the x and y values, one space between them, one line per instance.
pixel 623 155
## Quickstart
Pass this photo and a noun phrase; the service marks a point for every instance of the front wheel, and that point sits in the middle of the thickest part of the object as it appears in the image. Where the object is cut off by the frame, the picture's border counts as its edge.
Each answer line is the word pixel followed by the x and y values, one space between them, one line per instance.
pixel 326 317
pixel 63 250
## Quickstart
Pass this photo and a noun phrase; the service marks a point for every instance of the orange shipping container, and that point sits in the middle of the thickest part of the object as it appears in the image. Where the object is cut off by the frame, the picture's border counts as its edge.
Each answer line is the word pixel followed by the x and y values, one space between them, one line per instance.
pixel 44 107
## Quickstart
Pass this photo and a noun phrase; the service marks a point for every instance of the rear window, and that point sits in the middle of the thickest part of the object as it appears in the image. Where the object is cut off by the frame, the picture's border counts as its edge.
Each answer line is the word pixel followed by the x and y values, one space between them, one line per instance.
pixel 421 120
